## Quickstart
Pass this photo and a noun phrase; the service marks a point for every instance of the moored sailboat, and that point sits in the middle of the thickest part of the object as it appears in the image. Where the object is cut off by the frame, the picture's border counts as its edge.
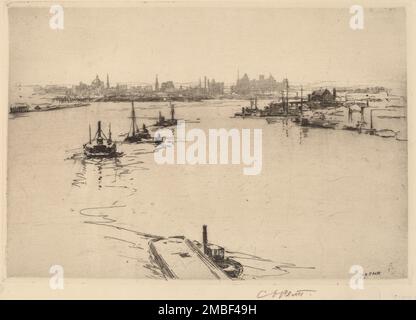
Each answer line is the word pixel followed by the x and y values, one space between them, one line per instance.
pixel 136 135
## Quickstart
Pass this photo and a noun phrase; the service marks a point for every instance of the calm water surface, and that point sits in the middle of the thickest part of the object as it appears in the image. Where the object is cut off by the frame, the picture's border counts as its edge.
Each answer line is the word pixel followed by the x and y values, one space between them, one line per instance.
pixel 325 199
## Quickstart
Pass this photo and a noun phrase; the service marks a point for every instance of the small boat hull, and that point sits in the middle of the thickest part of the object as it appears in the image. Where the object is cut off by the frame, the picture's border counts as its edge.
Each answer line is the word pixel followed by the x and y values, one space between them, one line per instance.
pixel 231 267
pixel 100 151
pixel 100 154
pixel 350 128
pixel 167 123
pixel 133 139
pixel 142 137
pixel 318 123
pixel 386 133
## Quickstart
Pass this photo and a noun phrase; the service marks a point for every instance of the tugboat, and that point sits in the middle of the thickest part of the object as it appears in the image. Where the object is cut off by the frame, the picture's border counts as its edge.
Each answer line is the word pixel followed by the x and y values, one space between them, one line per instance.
pixel 162 122
pixel 248 111
pixel 100 146
pixel 180 258
pixel 137 135
pixel 216 254
pixel 274 109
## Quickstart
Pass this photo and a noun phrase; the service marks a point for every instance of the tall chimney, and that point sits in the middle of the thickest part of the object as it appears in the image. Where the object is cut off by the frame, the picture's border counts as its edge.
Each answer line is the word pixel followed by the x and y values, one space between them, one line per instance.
pixel 99 129
pixel 205 238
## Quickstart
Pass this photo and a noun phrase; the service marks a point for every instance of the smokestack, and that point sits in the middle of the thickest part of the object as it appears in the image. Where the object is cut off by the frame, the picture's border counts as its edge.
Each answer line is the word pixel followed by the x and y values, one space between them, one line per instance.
pixel 205 238
pixel 99 129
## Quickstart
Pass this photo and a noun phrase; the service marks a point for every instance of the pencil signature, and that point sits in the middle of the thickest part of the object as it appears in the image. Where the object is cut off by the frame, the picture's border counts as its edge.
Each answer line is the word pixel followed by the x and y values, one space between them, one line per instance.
pixel 282 294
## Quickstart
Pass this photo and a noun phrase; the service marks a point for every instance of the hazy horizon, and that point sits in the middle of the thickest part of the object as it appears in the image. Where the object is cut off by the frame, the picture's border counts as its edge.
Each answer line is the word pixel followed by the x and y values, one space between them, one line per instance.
pixel 184 44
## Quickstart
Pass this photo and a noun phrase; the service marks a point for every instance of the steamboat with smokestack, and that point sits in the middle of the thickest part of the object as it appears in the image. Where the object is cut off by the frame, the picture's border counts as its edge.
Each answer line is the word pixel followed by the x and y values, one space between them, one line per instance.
pixel 163 122
pixel 217 254
pixel 248 111
pixel 101 145
pixel 180 258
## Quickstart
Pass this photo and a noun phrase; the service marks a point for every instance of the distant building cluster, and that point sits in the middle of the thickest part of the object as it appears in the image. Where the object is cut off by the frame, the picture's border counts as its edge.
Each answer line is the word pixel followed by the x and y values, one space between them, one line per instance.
pixel 52 89
pixel 168 86
pixel 205 88
pixel 208 88
pixel 323 96
pixel 262 85
pixel 214 88
pixel 96 88
pixel 101 88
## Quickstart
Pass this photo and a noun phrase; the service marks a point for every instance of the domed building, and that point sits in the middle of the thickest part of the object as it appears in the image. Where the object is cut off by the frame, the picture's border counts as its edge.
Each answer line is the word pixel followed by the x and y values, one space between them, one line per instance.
pixel 97 83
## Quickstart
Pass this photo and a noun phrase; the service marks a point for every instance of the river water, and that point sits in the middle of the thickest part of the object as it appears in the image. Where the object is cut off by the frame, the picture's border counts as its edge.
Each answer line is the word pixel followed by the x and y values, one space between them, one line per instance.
pixel 325 199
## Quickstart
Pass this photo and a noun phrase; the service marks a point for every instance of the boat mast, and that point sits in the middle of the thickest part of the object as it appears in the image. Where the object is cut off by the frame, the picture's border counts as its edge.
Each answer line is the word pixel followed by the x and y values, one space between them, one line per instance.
pixel 362 111
pixel 109 132
pixel 133 117
pixel 89 127
pixel 172 110
pixel 287 96
pixel 371 118
pixel 301 100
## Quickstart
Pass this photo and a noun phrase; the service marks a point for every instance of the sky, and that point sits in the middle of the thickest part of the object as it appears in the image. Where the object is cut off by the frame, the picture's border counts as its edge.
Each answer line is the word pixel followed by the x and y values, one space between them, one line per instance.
pixel 183 44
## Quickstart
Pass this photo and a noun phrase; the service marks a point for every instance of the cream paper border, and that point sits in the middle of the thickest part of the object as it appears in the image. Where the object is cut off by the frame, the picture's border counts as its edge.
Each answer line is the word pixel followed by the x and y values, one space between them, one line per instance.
pixel 38 288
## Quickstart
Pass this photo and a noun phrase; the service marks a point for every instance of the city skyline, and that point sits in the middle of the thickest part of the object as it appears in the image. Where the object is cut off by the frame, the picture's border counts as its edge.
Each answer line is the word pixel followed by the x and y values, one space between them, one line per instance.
pixel 215 141
pixel 316 45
